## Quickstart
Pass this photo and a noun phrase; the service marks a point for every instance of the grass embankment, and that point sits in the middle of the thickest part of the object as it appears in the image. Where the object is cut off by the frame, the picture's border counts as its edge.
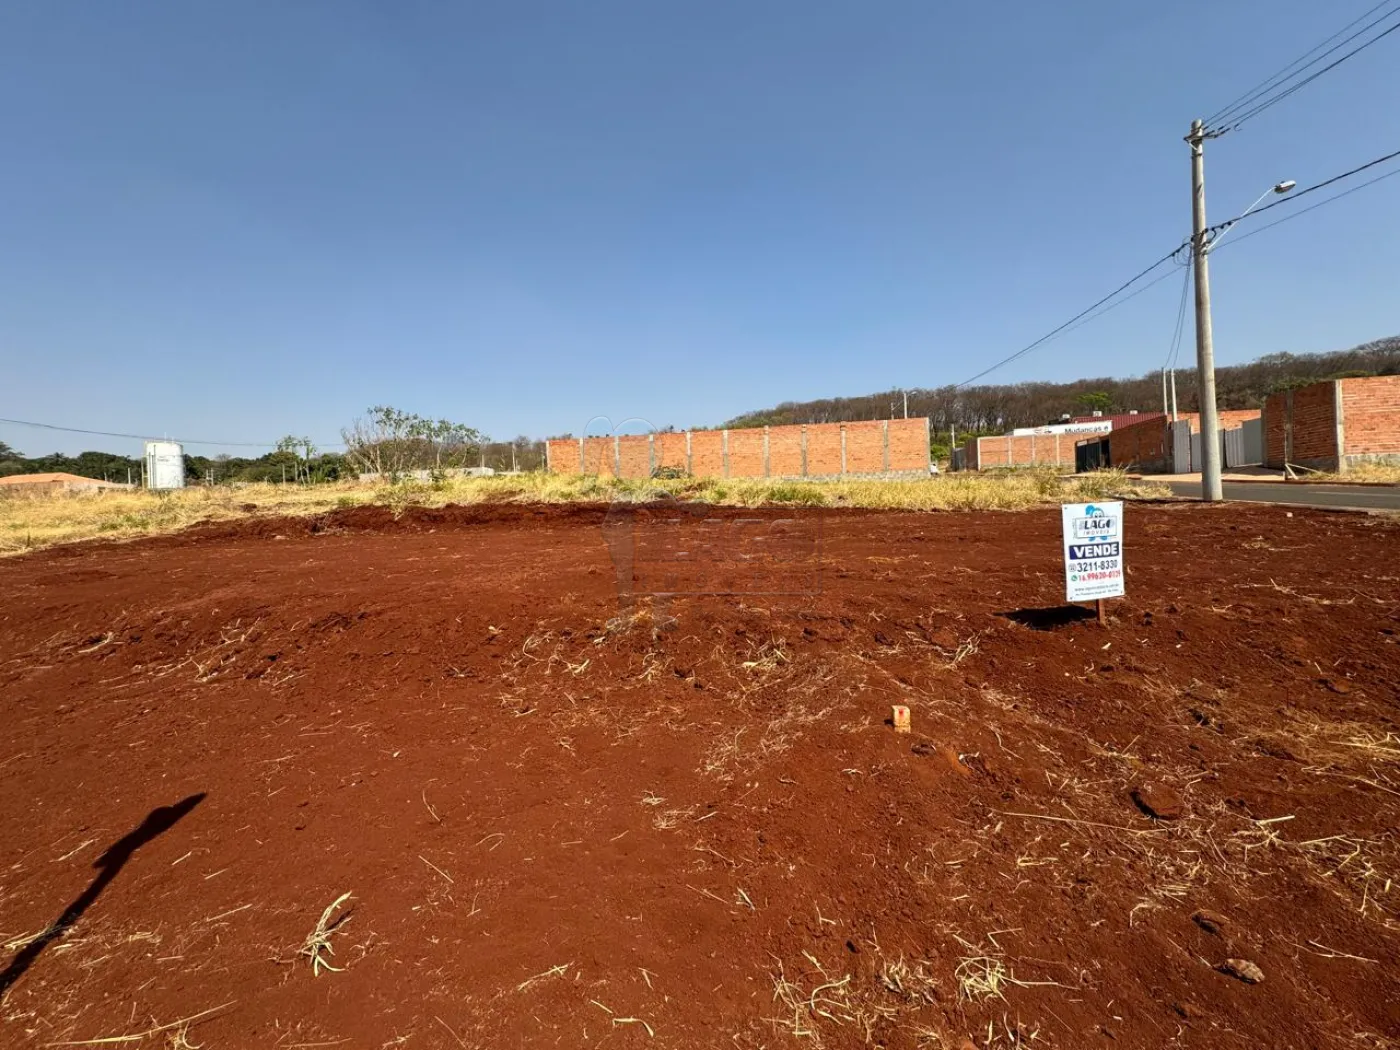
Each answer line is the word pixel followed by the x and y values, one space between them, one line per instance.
pixel 1364 473
pixel 32 522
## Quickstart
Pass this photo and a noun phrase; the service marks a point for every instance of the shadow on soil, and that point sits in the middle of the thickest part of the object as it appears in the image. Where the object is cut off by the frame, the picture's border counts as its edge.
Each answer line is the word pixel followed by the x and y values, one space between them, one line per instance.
pixel 157 822
pixel 1049 619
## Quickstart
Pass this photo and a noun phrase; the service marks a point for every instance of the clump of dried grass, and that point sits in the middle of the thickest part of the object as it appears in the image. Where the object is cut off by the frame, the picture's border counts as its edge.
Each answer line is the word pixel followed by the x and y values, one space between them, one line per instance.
pixel 318 941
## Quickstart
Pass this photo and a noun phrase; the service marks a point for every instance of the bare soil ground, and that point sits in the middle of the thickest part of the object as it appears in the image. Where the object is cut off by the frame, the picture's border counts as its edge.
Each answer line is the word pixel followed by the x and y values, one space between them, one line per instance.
pixel 562 826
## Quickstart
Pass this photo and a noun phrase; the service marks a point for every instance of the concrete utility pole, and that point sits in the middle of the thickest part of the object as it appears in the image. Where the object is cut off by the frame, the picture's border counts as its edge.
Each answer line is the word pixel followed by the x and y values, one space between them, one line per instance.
pixel 1211 489
pixel 906 403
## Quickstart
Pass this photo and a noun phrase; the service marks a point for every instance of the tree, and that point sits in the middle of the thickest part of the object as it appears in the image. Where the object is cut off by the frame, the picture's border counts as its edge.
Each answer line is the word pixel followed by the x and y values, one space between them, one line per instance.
pixel 391 443
pixel 1094 401
pixel 301 451
pixel 6 452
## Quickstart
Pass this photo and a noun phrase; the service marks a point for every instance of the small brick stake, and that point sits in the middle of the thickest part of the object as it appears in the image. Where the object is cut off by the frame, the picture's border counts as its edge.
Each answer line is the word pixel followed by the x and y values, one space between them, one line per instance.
pixel 901 719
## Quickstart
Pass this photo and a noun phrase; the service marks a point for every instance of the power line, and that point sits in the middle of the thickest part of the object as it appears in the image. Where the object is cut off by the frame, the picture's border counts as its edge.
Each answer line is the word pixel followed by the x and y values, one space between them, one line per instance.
pixel 144 437
pixel 1113 306
pixel 1327 182
pixel 1050 335
pixel 1314 207
pixel 1235 121
pixel 1180 318
pixel 1288 70
pixel 1220 228
pixel 1107 309
pixel 1094 311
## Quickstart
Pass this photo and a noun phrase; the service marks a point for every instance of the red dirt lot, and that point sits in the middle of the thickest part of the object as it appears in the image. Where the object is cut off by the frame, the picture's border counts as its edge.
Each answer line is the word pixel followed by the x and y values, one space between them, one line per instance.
pixel 692 826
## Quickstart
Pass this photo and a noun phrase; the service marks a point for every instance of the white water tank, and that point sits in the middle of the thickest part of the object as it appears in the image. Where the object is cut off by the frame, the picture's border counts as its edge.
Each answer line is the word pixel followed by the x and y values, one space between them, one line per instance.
pixel 165 465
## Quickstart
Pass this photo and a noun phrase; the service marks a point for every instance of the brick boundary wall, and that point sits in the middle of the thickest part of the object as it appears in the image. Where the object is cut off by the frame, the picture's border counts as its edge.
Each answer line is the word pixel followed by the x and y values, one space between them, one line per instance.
pixel 1300 427
pixel 1022 450
pixel 1144 446
pixel 1334 424
pixel 1369 421
pixel 882 448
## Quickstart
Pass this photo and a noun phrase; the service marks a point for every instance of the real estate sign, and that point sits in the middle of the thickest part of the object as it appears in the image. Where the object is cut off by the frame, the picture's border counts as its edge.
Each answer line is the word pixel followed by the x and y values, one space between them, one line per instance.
pixel 1093 543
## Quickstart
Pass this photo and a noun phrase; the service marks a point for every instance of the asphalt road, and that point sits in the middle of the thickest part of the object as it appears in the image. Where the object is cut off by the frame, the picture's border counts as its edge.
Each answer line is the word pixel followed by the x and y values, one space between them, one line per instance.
pixel 1349 497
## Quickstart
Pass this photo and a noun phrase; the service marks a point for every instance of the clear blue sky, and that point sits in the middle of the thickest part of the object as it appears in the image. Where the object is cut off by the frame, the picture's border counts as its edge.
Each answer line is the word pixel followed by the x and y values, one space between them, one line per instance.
pixel 242 219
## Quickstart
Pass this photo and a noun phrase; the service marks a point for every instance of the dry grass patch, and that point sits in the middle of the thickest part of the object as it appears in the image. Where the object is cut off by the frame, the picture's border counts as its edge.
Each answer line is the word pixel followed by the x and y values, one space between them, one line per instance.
pixel 31 522
pixel 1371 473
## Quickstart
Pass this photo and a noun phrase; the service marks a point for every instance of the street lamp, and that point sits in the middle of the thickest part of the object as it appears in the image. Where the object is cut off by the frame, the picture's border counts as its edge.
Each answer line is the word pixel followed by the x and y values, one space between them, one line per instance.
pixel 1211 488
pixel 1279 188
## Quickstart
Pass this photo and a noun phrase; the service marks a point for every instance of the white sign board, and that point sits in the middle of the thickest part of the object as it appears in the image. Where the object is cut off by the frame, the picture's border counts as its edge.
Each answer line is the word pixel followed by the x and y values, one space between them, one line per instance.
pixel 1093 545
pixel 1066 428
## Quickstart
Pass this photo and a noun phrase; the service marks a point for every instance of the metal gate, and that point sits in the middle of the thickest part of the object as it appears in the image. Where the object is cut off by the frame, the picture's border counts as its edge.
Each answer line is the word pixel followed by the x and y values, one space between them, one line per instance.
pixel 1090 455
pixel 1245 444
pixel 1181 445
pixel 1253 441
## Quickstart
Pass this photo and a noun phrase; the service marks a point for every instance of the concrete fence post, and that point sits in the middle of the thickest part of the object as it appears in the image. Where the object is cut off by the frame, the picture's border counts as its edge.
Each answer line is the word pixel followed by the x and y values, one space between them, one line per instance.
pixel 804 450
pixel 928 442
pixel 582 458
pixel 1287 429
pixel 1010 451
pixel 689 456
pixel 1341 435
pixel 765 452
pixel 885 436
pixel 617 455
pixel 724 452
pixel 843 450
pixel 651 454
pixel 1032 450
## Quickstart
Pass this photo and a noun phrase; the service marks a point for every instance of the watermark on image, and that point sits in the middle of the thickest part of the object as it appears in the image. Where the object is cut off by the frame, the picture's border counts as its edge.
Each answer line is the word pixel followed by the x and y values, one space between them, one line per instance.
pixel 665 544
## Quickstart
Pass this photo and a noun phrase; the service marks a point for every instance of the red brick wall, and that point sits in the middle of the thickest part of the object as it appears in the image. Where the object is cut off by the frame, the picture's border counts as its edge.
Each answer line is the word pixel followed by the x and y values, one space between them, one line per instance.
pixel 1024 450
pixel 909 440
pixel 1311 411
pixel 598 456
pixel 670 450
pixel 865 444
pixel 746 453
pixel 824 449
pixel 785 452
pixel 1142 446
pixel 865 447
pixel 634 456
pixel 1371 416
pixel 707 453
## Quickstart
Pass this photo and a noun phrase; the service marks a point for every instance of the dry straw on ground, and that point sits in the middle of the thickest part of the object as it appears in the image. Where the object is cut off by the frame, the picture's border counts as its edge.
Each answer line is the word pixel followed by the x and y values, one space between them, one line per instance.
pixel 33 522
pixel 318 941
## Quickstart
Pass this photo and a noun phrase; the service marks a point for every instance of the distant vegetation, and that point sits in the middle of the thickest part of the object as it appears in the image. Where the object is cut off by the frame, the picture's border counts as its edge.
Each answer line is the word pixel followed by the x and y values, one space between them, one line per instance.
pixel 995 409
pixel 390 441
pixel 410 442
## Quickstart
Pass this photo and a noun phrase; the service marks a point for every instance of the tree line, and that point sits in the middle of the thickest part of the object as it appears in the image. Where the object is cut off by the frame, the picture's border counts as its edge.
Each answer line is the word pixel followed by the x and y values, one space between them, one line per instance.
pixel 994 409
pixel 386 441
pixel 391 442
